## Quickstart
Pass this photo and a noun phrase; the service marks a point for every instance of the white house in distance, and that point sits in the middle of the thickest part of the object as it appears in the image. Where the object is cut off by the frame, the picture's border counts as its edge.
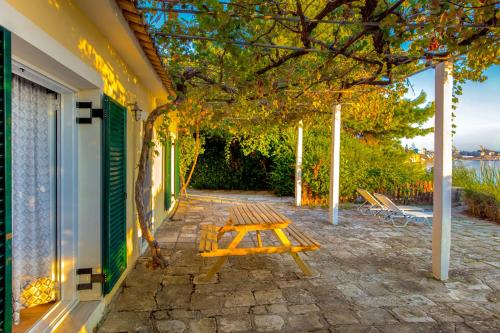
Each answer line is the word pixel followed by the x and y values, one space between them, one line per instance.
pixel 74 75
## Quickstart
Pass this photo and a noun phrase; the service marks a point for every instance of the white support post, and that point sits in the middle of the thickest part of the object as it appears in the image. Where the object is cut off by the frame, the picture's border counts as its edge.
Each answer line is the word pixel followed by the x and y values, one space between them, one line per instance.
pixel 172 170
pixel 335 166
pixel 441 222
pixel 298 166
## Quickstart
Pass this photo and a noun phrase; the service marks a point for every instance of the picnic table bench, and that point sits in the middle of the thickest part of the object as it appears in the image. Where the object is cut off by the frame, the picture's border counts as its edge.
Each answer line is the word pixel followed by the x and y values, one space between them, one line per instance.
pixel 256 218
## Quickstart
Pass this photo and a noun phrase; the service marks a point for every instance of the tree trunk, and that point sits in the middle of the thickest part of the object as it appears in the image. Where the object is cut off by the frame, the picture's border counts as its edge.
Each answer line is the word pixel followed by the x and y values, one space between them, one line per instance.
pixel 140 186
pixel 196 154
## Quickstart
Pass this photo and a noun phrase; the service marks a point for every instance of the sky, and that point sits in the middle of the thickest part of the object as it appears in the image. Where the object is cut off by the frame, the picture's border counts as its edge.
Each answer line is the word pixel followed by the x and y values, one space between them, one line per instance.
pixel 477 114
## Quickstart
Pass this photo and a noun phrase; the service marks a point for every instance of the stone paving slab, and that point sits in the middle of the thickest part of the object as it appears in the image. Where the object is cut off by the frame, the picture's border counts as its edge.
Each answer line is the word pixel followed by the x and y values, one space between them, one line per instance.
pixel 373 278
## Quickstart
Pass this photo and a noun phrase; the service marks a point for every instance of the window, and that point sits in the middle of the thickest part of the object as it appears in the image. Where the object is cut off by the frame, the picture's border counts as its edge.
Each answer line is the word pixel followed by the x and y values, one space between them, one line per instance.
pixel 35 283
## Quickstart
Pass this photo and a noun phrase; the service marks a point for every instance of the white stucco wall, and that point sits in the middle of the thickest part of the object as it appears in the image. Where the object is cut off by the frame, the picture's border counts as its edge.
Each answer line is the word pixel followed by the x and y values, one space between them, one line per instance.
pixel 60 41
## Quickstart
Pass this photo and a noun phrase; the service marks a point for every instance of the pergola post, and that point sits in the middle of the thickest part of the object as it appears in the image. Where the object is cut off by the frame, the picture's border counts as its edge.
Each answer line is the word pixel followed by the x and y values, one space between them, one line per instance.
pixel 441 222
pixel 335 166
pixel 298 165
pixel 172 168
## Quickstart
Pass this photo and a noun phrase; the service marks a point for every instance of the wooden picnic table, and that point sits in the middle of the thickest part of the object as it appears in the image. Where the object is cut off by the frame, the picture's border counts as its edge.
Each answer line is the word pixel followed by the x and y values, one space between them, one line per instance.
pixel 256 218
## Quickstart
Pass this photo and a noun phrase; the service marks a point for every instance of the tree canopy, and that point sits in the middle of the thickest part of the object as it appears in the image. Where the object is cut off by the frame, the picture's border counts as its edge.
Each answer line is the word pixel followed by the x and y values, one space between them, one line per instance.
pixel 255 66
pixel 291 56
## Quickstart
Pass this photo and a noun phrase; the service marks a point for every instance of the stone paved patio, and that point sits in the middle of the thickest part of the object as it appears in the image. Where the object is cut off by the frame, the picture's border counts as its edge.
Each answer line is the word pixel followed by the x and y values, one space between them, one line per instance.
pixel 373 278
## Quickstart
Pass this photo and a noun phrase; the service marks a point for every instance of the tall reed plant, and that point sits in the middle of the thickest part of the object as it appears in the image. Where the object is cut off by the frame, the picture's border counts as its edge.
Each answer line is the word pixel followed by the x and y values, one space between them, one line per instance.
pixel 482 190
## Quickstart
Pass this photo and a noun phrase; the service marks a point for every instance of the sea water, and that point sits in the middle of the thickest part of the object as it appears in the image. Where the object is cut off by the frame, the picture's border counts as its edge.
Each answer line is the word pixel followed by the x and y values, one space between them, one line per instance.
pixel 477 164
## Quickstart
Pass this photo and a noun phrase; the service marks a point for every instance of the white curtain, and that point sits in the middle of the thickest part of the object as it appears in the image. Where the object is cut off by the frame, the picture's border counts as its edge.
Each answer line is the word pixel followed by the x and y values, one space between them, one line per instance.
pixel 33 195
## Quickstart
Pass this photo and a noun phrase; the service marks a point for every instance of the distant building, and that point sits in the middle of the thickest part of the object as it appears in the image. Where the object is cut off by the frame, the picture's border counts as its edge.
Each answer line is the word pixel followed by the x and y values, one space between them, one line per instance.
pixel 487 152
pixel 482 153
pixel 423 155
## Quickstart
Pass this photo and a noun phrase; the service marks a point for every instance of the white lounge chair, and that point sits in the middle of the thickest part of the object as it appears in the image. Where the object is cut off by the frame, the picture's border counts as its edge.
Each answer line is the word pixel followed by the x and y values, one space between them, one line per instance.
pixel 408 213
pixel 371 205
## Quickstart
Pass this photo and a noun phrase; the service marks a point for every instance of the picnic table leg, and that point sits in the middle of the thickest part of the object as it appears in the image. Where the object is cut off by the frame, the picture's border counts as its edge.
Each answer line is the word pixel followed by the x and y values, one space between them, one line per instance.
pixel 213 270
pixel 218 264
pixel 220 234
pixel 298 260
pixel 222 230
pixel 259 239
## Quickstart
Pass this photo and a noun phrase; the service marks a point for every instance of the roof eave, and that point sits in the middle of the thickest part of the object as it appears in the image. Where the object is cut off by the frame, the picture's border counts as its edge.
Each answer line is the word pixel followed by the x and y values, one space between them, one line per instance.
pixel 136 23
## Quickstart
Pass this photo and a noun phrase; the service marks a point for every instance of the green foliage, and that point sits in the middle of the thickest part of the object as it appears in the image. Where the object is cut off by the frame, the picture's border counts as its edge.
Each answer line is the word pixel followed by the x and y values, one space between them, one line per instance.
pixel 282 175
pixel 370 166
pixel 215 170
pixel 482 191
pixel 376 167
pixel 253 95
pixel 187 144
pixel 387 115
pixel 362 165
pixel 486 182
pixel 316 160
pixel 361 59
pixel 371 156
pixel 282 171
pixel 366 43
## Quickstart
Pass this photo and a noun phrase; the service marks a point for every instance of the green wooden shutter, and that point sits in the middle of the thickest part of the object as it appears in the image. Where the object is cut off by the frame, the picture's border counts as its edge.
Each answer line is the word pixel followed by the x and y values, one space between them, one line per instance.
pixel 177 172
pixel 167 174
pixel 114 188
pixel 5 184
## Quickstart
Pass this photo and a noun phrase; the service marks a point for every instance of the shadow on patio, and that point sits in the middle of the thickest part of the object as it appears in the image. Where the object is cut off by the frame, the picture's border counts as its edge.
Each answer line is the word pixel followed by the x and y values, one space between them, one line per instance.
pixel 373 278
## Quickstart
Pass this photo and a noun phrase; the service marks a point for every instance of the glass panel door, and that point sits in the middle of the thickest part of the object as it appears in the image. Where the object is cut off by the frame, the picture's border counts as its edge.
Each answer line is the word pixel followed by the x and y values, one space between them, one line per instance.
pixel 35 282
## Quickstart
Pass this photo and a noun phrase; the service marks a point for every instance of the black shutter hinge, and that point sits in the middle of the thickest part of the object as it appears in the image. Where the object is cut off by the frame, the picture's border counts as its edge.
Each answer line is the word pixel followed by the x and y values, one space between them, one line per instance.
pixel 93 113
pixel 97 113
pixel 94 278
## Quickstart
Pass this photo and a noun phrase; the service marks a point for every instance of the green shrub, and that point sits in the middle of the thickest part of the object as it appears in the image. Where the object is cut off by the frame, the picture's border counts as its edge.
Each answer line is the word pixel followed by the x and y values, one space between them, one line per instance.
pixel 282 171
pixel 187 145
pixel 487 181
pixel 234 164
pixel 482 191
pixel 370 166
pixel 224 166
